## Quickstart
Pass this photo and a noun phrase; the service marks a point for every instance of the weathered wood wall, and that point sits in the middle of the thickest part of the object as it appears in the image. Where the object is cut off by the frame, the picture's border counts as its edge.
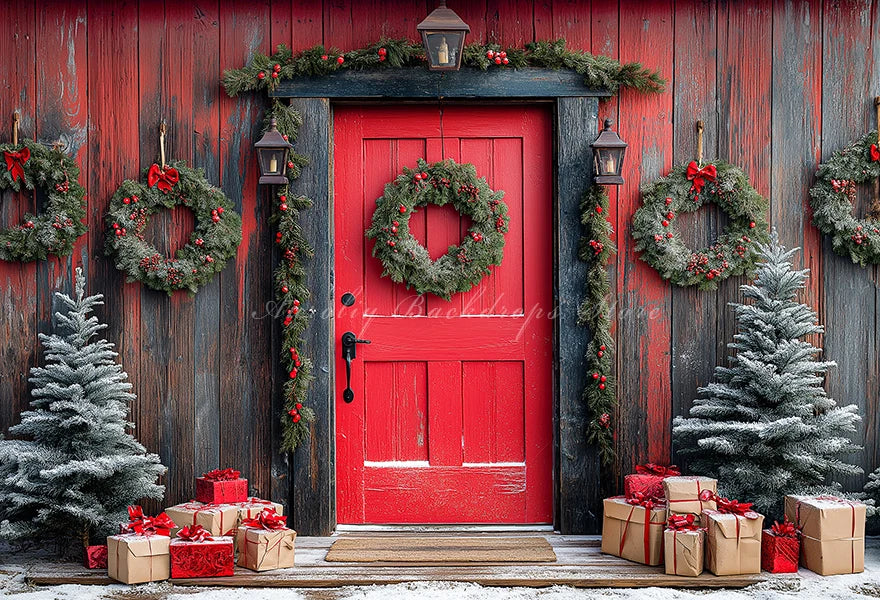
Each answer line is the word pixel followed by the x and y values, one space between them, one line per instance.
pixel 780 85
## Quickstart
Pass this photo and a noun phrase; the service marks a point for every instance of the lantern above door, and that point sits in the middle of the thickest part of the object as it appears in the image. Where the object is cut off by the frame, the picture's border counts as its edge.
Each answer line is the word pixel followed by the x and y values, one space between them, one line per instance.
pixel 443 34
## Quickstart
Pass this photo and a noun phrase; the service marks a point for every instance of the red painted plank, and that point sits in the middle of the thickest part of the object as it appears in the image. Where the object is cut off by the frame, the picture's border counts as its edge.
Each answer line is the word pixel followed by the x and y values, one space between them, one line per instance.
pixel 643 429
pixel 282 23
pixel 472 12
pixel 339 25
pixel 446 420
pixel 308 26
pixel 572 20
pixel 509 22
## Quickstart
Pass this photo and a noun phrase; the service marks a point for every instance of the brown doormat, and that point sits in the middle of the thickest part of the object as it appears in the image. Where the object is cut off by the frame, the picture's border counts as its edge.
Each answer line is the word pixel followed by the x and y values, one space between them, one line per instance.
pixel 441 550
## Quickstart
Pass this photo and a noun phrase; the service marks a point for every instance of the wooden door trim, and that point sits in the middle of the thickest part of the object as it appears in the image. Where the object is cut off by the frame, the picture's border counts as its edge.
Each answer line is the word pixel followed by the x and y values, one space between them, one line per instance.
pixel 312 468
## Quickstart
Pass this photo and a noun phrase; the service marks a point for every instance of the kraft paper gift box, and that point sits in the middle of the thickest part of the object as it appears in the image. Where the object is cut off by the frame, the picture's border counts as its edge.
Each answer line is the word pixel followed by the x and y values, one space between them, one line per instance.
pixel 733 542
pixel 683 495
pixel 196 554
pixel 216 519
pixel 254 506
pixel 832 533
pixel 648 480
pixel 221 486
pixel 135 558
pixel 632 531
pixel 683 551
pixel 265 549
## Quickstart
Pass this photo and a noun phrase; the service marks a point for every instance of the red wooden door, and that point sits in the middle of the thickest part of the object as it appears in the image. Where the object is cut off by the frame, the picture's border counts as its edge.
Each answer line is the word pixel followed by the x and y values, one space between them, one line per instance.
pixel 452 416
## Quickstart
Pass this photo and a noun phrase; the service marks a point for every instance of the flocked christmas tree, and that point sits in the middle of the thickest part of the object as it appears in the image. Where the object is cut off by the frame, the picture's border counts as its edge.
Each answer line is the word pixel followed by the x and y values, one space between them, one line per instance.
pixel 766 427
pixel 77 467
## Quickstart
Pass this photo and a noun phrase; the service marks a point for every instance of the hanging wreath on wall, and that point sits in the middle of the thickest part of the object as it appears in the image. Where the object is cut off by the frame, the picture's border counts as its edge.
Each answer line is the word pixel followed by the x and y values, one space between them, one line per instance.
pixel 832 200
pixel 214 240
pixel 406 261
pixel 686 189
pixel 30 165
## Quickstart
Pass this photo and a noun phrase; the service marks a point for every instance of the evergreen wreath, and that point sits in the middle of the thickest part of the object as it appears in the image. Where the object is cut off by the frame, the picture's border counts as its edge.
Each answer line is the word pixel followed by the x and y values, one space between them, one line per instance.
pixel 213 242
pixel 266 72
pixel 291 289
pixel 596 250
pixel 832 200
pixel 405 260
pixel 686 189
pixel 29 165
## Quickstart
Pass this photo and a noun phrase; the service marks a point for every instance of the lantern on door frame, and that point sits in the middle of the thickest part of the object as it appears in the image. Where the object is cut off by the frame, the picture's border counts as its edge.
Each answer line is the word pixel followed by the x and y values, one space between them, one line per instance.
pixel 272 152
pixel 608 153
pixel 443 34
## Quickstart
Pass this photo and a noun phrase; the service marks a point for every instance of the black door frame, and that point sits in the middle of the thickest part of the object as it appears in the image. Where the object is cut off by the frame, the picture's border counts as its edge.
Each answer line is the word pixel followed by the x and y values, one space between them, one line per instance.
pixel 577 502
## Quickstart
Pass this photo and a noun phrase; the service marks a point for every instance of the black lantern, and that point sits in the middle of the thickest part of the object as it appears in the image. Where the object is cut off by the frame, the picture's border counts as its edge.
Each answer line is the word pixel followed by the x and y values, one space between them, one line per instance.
pixel 443 38
pixel 272 151
pixel 608 153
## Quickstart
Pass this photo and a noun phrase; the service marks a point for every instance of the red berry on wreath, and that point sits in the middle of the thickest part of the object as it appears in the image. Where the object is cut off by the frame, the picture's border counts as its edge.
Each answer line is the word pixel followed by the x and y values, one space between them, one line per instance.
pixel 601 386
pixel 497 60
pixel 126 200
pixel 395 223
pixel 299 406
pixel 658 237
pixel 199 241
pixel 290 164
pixel 215 218
pixel 602 347
pixel 670 215
pixel 668 201
pixel 595 376
pixel 282 198
pixel 665 223
pixel 603 379
pixel 261 75
pixel 382 51
pixel 340 60
pixel 599 209
pixel 209 259
pixel 134 199
pixel 219 210
pixel 296 418
pixel 490 54
pixel 504 61
pixel 752 225
pixel 285 289
pixel 283 207
pixel 115 225
pixel 503 54
pixel 391 243
pixel 29 224
pixel 600 354
pixel 296 302
pixel 274 74
pixel 402 209
pixel 277 67
pixel 324 57
pixel 669 236
pixel 293 373
pixel 424 175
pixel 710 275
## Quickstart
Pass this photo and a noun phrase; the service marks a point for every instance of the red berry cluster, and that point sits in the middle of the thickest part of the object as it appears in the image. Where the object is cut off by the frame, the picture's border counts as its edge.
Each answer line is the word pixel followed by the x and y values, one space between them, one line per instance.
pixel 499 224
pixel 138 218
pixel 463 257
pixel 291 313
pixel 392 231
pixel 605 420
pixel 130 200
pixel 600 379
pixel 59 224
pixel 845 186
pixel 151 263
pixel 477 236
pixel 290 254
pixel 499 58
pixel 339 59
pixel 63 186
pixel 859 237
pixel 597 247
pixel 216 213
pixel 420 178
pixel 120 231
pixel 174 276
pixel 27 225
pixel 442 181
pixel 470 190
pixel 283 204
pixel 382 52
pixel 294 412
pixel 698 264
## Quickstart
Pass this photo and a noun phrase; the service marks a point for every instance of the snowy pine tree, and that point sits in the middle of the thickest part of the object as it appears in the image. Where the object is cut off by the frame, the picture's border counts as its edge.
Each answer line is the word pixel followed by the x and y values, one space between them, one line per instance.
pixel 77 468
pixel 766 427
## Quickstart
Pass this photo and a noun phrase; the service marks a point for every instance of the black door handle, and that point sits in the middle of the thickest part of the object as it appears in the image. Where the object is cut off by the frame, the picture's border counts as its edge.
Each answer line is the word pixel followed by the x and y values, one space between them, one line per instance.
pixel 349 353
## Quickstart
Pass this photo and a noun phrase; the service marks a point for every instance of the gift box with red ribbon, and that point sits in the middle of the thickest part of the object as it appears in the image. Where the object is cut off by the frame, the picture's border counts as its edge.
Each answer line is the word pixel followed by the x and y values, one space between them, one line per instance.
pixel 221 486
pixel 684 541
pixel 196 553
pixel 684 495
pixel 217 519
pixel 140 553
pixel 265 543
pixel 780 548
pixel 252 507
pixel 632 528
pixel 648 480
pixel 733 536
pixel 95 557
pixel 832 533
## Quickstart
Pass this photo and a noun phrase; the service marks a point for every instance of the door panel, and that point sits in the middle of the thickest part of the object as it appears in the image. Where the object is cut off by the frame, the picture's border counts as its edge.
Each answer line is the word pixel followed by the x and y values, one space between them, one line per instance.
pixel 452 416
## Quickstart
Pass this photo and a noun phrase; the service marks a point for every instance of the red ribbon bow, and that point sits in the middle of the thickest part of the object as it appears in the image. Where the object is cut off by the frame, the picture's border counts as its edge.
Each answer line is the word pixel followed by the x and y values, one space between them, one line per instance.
pixel 875 153
pixel 142 525
pixel 730 507
pixel 682 523
pixel 165 178
pixel 15 162
pixel 699 176
pixel 641 499
pixel 267 519
pixel 195 533
pixel 661 471
pixel 785 529
pixel 222 474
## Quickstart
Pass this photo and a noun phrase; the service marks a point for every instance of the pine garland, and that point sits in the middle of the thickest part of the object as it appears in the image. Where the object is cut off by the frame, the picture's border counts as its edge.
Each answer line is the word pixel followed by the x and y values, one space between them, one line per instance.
pixel 596 250
pixel 832 200
pixel 406 261
pixel 266 72
pixel 291 291
pixel 27 166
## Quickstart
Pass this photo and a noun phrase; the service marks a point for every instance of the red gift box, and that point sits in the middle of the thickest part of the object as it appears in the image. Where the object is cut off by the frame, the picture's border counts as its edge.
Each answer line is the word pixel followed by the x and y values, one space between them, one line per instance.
pixel 780 548
pixel 648 480
pixel 95 557
pixel 194 553
pixel 221 486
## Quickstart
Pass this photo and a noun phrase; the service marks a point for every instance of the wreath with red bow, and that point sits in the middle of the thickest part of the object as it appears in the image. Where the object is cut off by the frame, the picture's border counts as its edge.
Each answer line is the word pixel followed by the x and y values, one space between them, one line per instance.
pixel 213 242
pixel 687 189
pixel 28 166
pixel 405 260
pixel 832 200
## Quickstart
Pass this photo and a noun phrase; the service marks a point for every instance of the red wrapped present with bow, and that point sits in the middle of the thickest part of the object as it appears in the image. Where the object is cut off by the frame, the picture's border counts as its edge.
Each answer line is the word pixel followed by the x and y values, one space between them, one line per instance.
pixel 252 507
pixel 683 542
pixel 684 495
pixel 95 557
pixel 217 519
pixel 832 533
pixel 265 542
pixel 632 528
pixel 221 486
pixel 733 536
pixel 196 553
pixel 140 553
pixel 780 548
pixel 648 480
